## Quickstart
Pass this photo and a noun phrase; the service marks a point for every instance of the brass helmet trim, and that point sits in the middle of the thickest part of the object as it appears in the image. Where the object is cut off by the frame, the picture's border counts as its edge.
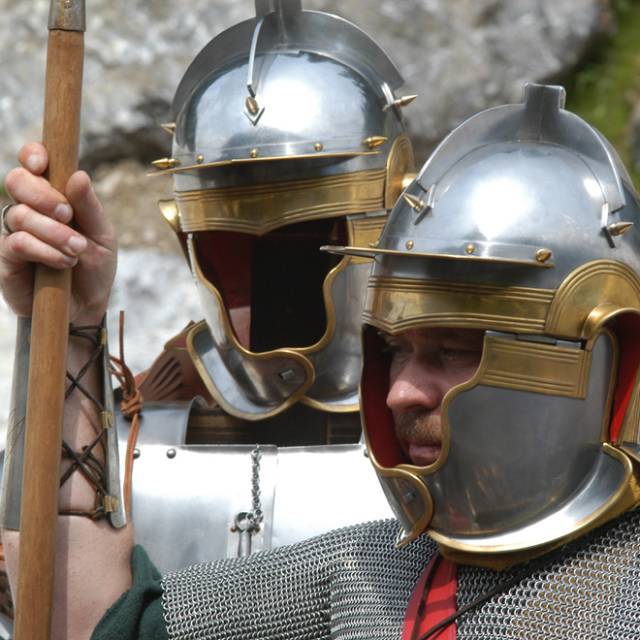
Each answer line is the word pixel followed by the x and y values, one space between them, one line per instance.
pixel 465 254
pixel 258 159
pixel 262 208
pixel 397 304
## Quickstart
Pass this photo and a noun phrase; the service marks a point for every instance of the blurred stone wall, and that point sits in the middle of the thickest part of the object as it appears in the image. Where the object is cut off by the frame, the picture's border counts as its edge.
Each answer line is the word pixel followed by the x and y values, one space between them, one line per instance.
pixel 460 56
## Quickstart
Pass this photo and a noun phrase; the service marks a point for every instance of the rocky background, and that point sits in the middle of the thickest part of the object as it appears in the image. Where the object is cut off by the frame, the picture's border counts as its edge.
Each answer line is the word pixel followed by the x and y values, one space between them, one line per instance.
pixel 460 56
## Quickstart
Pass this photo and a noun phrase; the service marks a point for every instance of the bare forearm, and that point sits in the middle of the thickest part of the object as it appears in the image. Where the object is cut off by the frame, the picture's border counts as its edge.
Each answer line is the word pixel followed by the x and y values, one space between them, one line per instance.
pixel 92 558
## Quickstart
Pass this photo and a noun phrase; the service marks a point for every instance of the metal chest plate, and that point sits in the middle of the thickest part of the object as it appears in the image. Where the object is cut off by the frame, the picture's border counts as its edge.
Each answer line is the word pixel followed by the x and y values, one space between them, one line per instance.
pixel 186 497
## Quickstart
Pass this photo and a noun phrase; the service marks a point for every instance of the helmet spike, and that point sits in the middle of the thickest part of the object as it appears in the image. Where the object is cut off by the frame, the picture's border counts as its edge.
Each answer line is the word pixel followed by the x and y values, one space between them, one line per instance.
pixel 619 228
pixel 404 101
pixel 541 97
pixel 165 163
pixel 373 142
pixel 415 203
pixel 420 206
pixel 543 255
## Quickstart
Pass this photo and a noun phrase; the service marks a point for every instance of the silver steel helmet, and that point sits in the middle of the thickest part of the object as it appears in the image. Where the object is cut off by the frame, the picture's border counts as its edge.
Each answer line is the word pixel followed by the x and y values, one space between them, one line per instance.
pixel 287 135
pixel 520 224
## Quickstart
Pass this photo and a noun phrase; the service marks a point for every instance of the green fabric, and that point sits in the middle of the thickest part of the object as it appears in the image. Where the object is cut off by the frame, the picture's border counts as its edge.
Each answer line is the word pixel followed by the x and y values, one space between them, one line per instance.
pixel 137 615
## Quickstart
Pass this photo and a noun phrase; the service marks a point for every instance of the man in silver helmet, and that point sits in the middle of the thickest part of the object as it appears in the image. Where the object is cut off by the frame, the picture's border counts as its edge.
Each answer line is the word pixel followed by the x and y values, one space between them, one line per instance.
pixel 287 135
pixel 500 399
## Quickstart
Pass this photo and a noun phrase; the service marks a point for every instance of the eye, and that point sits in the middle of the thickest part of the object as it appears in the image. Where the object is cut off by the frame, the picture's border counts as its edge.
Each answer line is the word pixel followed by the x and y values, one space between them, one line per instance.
pixel 391 346
pixel 395 346
pixel 460 356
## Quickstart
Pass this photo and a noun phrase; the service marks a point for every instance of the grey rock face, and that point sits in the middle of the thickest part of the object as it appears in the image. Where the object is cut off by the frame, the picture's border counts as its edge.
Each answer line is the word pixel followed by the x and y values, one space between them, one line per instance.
pixel 159 298
pixel 135 54
pixel 459 55
pixel 462 56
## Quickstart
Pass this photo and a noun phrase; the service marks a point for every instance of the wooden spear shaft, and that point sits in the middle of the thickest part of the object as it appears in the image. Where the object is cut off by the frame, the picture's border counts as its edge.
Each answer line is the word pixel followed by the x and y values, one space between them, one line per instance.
pixel 50 321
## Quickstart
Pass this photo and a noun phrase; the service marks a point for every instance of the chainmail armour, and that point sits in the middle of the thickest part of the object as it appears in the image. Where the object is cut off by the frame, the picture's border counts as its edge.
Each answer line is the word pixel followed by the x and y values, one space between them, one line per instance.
pixel 353 584
pixel 589 592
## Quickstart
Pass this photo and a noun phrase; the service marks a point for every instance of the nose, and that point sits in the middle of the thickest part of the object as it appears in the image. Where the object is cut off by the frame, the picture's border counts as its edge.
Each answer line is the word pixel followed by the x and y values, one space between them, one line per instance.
pixel 415 384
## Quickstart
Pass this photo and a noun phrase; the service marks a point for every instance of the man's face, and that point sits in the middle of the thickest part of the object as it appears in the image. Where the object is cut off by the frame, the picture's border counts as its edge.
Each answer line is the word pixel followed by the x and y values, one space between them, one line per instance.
pixel 425 364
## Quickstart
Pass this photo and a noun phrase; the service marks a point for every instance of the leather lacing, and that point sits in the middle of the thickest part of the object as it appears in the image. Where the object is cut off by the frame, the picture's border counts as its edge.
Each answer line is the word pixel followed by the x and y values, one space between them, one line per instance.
pixel 90 461
pixel 130 406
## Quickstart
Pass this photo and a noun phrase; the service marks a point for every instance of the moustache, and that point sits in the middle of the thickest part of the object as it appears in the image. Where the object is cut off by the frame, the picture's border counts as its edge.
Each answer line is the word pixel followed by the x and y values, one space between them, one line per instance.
pixel 421 427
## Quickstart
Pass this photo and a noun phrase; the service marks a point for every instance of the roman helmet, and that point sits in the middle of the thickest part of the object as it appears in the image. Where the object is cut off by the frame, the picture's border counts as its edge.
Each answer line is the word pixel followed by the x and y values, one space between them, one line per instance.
pixel 287 135
pixel 523 223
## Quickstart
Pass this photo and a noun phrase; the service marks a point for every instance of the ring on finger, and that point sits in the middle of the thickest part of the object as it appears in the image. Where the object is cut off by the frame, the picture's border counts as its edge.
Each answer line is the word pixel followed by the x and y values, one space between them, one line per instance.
pixel 4 225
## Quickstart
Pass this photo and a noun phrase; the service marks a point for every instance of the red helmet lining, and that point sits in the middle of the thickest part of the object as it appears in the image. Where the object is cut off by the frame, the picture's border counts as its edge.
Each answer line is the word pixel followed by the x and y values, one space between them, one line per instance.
pixel 627 329
pixel 375 387
pixel 225 260
pixel 279 277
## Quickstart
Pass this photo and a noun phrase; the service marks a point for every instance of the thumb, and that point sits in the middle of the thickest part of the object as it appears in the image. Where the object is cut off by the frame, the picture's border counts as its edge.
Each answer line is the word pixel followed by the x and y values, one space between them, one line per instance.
pixel 89 215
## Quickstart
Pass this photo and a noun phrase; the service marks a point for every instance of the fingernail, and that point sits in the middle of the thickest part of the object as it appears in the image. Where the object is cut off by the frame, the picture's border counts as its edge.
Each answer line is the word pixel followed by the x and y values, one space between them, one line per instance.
pixel 69 261
pixel 63 212
pixel 34 162
pixel 76 244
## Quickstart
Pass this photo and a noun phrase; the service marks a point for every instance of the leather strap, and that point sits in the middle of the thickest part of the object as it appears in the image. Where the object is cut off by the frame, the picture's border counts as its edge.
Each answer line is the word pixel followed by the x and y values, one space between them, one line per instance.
pixel 131 407
pixel 433 601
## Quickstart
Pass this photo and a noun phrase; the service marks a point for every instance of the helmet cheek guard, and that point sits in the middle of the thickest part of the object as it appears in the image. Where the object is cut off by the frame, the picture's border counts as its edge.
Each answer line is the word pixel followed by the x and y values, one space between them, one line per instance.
pixel 521 224
pixel 407 494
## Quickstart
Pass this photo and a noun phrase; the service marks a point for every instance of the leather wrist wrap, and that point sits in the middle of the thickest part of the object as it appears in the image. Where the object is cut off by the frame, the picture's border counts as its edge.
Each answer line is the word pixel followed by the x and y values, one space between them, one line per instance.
pixel 97 461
